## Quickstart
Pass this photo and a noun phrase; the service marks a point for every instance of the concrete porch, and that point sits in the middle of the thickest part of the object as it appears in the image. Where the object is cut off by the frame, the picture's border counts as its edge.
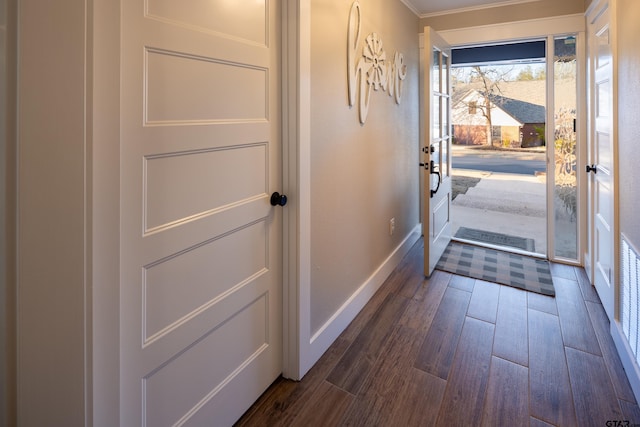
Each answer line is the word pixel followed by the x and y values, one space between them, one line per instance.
pixel 511 204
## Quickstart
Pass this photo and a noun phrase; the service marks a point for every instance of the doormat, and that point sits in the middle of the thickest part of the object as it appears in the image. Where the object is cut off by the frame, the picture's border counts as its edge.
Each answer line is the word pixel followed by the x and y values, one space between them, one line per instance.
pixel 518 271
pixel 499 239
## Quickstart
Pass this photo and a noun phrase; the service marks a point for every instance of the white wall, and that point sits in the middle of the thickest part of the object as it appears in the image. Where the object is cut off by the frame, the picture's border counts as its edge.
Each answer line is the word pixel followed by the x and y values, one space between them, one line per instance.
pixel 51 213
pixel 103 167
pixel 361 175
pixel 4 306
pixel 7 228
pixel 626 63
pixel 628 113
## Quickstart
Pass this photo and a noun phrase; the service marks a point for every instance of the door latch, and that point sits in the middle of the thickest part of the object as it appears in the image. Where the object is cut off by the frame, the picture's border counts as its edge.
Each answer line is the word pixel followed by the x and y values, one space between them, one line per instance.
pixel 430 149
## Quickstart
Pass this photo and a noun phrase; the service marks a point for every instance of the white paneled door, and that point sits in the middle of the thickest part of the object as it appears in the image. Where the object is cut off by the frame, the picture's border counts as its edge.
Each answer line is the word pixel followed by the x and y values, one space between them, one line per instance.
pixel 436 150
pixel 601 156
pixel 200 326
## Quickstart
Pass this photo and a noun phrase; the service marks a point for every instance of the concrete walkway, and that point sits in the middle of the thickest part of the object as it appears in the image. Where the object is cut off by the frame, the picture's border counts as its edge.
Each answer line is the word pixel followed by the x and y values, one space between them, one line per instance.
pixel 503 203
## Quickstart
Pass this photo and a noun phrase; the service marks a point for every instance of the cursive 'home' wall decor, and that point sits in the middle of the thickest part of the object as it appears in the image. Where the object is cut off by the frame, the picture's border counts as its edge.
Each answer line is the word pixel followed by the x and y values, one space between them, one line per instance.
pixel 372 69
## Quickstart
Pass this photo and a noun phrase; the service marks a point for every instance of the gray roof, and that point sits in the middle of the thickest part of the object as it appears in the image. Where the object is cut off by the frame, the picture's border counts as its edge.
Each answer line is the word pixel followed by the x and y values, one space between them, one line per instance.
pixel 522 111
pixel 524 100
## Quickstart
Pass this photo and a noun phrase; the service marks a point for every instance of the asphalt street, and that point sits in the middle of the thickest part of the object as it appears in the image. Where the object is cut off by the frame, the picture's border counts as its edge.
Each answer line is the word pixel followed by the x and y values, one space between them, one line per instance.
pixel 516 162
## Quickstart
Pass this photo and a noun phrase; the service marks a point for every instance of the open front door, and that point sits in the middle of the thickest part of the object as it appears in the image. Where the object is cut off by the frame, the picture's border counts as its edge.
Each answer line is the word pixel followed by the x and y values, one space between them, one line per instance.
pixel 436 148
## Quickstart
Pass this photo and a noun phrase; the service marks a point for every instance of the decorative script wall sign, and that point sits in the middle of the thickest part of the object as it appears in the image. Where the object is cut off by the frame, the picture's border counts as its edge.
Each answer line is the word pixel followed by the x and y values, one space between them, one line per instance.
pixel 372 70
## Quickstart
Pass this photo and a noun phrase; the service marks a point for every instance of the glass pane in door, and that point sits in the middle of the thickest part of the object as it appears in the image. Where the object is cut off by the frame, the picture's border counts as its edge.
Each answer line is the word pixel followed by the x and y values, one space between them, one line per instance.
pixel 446 129
pixel 436 70
pixel 565 201
pixel 437 122
pixel 446 64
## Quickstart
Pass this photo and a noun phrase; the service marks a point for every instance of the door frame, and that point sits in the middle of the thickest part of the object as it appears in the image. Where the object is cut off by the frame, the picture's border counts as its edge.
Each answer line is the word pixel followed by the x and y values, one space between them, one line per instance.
pixel 544 28
pixel 103 202
pixel 298 355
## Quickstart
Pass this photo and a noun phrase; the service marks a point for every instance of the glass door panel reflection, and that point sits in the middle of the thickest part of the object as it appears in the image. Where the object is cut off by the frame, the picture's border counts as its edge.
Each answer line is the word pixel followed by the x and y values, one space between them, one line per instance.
pixel 565 200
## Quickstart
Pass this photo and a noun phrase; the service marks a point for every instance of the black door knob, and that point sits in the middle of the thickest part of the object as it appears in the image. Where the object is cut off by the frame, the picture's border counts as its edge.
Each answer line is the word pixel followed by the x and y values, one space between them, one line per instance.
pixel 592 168
pixel 278 199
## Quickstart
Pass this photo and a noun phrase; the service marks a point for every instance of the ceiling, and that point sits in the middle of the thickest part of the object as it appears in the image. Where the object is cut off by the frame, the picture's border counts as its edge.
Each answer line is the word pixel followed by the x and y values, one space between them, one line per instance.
pixel 426 8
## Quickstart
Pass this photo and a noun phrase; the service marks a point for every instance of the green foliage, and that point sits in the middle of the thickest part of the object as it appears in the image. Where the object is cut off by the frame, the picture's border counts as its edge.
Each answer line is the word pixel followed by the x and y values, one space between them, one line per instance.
pixel 525 74
pixel 540 131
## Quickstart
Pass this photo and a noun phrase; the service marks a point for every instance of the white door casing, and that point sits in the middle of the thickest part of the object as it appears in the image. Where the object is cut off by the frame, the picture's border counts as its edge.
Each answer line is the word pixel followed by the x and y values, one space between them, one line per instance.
pixel 601 161
pixel 436 149
pixel 200 244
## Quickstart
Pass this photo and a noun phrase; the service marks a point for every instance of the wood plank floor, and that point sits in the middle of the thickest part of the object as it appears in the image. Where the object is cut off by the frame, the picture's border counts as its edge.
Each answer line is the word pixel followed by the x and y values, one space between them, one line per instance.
pixel 454 351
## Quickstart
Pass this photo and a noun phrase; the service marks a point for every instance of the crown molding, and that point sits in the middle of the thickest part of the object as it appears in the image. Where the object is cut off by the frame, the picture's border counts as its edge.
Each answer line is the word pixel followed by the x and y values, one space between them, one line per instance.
pixel 470 8
pixel 410 7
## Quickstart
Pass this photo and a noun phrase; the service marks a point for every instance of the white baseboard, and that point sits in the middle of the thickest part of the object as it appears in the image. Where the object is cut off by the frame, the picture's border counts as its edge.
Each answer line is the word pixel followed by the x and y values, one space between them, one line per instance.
pixel 626 356
pixel 330 331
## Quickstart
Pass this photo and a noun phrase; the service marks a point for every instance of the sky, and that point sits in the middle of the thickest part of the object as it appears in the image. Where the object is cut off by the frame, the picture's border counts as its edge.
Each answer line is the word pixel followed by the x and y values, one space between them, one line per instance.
pixel 512 69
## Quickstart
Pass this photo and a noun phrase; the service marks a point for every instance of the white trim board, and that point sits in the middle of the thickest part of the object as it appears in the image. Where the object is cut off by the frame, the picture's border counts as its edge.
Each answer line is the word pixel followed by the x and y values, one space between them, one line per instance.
pixel 512 31
pixel 296 51
pixel 330 331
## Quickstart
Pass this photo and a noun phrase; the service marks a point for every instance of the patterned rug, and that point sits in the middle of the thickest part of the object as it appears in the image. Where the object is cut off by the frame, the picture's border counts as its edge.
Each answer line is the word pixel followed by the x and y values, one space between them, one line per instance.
pixel 523 272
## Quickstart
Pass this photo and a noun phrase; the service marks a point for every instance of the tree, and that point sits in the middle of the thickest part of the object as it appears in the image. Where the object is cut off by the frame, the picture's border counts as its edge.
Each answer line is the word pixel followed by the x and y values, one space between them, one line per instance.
pixel 489 80
pixel 458 76
pixel 528 73
pixel 525 74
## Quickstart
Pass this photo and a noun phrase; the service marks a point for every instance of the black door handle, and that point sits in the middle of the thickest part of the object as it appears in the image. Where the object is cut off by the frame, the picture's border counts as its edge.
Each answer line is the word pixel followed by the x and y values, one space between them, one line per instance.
pixel 592 168
pixel 278 199
pixel 435 172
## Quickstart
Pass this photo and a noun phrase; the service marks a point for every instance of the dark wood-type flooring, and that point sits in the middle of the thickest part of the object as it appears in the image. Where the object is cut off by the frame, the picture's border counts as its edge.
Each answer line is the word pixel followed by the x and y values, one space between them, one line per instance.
pixel 454 351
